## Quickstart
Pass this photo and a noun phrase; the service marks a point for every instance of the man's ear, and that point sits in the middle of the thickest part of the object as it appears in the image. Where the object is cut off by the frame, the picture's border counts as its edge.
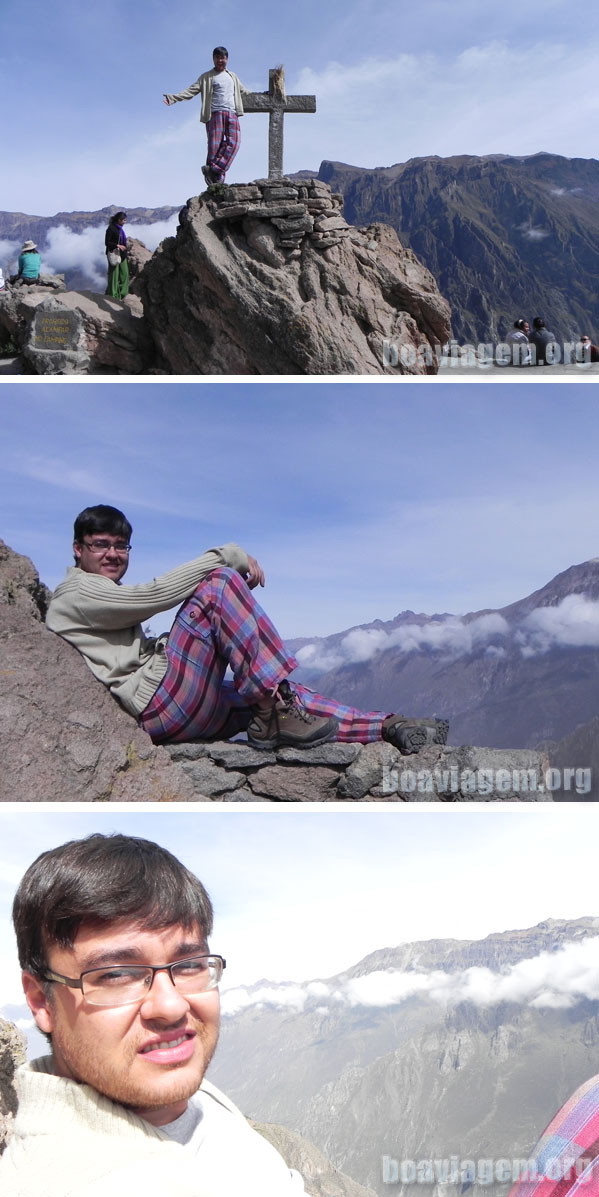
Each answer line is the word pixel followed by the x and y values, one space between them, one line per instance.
pixel 38 1002
pixel 77 549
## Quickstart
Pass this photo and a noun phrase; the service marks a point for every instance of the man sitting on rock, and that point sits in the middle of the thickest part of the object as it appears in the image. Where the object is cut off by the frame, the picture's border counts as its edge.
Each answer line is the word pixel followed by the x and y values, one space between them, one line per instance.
pixel 112 933
pixel 222 106
pixel 175 685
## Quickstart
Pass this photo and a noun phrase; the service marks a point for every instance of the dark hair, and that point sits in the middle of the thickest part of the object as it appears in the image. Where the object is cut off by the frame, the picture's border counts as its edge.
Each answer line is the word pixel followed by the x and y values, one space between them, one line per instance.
pixel 101 518
pixel 538 322
pixel 101 879
pixel 118 216
pixel 220 50
pixel 520 323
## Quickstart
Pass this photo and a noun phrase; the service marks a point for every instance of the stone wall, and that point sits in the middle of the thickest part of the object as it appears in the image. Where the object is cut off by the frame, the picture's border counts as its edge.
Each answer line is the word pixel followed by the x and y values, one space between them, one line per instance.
pixel 235 772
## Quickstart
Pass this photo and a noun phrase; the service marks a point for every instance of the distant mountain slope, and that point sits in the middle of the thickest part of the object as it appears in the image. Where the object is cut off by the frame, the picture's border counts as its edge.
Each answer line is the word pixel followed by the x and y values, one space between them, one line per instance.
pixel 364 1074
pixel 513 677
pixel 504 237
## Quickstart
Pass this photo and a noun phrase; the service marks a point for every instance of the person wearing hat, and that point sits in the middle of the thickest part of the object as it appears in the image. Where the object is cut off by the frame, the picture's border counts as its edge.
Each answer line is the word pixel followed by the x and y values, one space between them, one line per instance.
pixel 29 265
pixel 115 241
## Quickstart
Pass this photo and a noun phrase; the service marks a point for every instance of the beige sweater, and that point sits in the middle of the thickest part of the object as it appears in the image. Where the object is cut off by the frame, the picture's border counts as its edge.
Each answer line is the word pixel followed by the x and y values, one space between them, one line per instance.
pixel 103 620
pixel 69 1141
pixel 203 86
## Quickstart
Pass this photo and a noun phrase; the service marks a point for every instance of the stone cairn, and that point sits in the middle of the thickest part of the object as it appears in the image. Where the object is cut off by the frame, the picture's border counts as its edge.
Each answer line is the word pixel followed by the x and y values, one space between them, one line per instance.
pixel 293 210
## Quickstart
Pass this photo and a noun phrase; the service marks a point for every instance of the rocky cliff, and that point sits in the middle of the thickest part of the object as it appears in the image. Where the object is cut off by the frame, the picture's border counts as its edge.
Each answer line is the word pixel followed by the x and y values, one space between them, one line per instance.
pixel 504 237
pixel 371 1072
pixel 63 738
pixel 261 278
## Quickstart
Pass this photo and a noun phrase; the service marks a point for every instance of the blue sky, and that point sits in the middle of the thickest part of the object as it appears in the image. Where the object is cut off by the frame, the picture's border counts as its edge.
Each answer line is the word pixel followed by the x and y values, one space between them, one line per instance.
pixel 393 80
pixel 359 501
pixel 376 878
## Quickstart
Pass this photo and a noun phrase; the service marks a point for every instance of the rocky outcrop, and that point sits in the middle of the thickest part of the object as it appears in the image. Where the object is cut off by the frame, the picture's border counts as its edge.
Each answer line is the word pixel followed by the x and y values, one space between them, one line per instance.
pixel 12 1053
pixel 268 278
pixel 77 332
pixel 63 738
pixel 321 1178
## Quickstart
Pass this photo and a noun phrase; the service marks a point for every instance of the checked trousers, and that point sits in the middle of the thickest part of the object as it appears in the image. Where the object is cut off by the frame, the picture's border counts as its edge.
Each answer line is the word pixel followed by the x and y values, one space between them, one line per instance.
pixel 222 625
pixel 224 139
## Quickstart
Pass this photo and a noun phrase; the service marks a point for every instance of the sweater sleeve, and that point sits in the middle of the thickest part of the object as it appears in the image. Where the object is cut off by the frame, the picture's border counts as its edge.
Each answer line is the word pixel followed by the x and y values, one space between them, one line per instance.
pixel 188 93
pixel 101 604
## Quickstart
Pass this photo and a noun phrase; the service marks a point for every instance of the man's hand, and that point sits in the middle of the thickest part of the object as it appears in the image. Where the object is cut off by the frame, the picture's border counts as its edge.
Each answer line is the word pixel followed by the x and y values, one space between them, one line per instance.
pixel 255 575
pixel 165 100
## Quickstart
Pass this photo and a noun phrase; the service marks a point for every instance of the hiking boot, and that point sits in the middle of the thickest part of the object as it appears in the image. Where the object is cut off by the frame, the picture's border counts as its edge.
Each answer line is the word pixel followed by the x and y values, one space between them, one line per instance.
pixel 287 723
pixel 207 173
pixel 411 735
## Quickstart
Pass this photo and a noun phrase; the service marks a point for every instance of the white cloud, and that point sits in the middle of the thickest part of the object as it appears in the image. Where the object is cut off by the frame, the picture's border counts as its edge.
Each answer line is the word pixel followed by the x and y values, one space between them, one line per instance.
pixel 551 980
pixel 452 636
pixel 534 234
pixel 66 250
pixel 573 623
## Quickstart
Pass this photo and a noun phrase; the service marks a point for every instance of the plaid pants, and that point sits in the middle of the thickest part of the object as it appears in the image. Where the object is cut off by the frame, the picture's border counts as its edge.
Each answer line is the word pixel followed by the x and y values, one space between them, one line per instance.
pixel 222 624
pixel 567 1154
pixel 224 139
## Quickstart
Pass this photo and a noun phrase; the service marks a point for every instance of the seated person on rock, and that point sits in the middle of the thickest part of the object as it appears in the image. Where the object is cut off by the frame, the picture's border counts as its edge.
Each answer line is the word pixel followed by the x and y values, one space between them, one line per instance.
pixel 112 933
pixel 29 265
pixel 542 339
pixel 517 339
pixel 175 685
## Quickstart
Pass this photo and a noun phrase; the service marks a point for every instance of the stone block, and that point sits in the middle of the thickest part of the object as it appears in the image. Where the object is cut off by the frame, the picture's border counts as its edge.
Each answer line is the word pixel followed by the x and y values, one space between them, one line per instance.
pixel 239 755
pixel 315 784
pixel 325 754
pixel 367 771
pixel 210 781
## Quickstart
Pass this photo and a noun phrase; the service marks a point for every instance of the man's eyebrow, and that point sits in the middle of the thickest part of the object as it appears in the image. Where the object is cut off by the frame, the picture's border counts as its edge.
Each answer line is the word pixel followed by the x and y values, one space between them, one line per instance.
pixel 134 955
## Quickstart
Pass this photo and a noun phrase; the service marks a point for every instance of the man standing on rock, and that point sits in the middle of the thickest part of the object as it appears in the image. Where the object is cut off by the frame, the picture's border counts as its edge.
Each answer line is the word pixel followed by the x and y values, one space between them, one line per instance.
pixel 175 685
pixel 222 106
pixel 112 933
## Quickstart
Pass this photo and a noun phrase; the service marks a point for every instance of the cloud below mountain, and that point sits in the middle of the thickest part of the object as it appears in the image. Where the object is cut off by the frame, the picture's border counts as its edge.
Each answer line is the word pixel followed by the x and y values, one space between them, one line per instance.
pixel 65 250
pixel 572 623
pixel 550 980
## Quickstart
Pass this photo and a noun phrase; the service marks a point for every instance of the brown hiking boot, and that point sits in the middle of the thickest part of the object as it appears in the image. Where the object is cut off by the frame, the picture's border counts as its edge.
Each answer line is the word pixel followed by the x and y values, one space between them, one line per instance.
pixel 287 723
pixel 411 735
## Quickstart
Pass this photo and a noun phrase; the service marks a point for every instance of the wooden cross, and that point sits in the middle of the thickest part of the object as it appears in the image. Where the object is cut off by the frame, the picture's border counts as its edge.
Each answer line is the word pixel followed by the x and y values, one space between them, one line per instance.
pixel 276 102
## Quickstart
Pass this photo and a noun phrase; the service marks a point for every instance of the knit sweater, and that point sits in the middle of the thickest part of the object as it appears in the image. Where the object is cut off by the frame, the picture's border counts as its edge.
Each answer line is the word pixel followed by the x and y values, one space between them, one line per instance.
pixel 203 85
pixel 102 620
pixel 70 1141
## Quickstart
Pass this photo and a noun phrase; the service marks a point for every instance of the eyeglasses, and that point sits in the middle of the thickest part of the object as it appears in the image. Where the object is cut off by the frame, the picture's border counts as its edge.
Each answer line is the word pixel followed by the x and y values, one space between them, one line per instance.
pixel 102 546
pixel 124 984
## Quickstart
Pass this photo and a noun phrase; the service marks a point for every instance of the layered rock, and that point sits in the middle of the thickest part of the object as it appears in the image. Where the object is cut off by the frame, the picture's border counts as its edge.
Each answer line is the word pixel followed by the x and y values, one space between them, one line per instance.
pixel 268 278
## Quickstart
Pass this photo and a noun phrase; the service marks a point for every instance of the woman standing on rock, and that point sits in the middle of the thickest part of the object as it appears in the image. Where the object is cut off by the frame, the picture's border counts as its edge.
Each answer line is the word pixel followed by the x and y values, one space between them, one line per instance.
pixel 116 253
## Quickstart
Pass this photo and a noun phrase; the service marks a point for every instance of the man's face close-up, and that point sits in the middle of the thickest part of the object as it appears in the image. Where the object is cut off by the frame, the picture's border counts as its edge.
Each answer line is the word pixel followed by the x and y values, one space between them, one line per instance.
pixel 151 1055
pixel 103 554
pixel 220 61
